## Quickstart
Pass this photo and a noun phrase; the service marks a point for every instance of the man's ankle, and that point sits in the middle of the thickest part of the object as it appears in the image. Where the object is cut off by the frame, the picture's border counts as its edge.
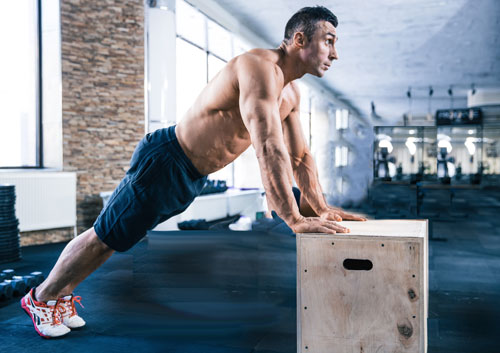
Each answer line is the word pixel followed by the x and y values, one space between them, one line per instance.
pixel 40 296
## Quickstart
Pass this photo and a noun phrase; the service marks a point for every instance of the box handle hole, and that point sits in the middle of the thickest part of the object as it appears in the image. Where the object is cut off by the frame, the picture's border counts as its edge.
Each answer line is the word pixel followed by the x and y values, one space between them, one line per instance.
pixel 358 265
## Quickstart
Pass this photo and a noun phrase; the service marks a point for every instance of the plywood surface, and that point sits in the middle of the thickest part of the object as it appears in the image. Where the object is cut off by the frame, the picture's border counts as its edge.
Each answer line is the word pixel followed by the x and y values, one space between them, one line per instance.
pixel 383 309
pixel 383 228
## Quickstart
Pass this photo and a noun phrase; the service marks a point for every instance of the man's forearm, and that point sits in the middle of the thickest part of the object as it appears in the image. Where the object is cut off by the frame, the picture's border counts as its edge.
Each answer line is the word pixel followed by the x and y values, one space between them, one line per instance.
pixel 276 173
pixel 306 177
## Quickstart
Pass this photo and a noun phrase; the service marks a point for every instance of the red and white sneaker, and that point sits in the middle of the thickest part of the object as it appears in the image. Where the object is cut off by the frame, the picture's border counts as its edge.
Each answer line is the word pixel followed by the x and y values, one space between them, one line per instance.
pixel 46 317
pixel 69 315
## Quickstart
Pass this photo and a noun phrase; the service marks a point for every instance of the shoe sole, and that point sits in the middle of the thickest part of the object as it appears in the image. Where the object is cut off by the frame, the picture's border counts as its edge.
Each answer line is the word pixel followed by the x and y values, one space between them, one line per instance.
pixel 28 312
pixel 75 328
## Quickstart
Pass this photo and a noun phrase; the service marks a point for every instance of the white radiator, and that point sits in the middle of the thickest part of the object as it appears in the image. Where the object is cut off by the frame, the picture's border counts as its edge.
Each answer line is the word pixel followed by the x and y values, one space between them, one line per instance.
pixel 45 200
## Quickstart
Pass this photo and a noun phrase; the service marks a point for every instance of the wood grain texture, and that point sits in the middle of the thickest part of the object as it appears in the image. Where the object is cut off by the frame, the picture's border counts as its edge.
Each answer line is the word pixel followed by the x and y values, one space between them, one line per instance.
pixel 382 308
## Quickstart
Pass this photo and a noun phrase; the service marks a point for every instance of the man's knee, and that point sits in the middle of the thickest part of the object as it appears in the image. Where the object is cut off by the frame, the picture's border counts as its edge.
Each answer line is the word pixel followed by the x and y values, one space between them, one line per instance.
pixel 96 242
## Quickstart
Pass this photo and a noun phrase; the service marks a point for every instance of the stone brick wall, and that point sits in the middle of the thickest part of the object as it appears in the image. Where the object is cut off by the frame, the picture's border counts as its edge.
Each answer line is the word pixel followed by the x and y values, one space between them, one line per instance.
pixel 46 236
pixel 103 94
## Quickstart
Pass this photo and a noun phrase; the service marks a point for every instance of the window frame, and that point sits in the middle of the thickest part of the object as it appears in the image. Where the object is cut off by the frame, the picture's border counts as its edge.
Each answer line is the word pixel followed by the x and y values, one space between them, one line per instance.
pixel 205 50
pixel 38 102
pixel 209 53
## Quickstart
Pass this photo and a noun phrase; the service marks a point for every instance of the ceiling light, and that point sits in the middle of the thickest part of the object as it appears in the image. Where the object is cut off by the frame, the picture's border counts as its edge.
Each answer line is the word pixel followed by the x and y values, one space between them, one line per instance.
pixel 387 144
pixel 444 142
pixel 410 144
pixel 469 144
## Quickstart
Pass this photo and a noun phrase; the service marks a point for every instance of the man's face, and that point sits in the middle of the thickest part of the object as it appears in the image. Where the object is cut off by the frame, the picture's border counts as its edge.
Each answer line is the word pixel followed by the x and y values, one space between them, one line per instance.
pixel 319 53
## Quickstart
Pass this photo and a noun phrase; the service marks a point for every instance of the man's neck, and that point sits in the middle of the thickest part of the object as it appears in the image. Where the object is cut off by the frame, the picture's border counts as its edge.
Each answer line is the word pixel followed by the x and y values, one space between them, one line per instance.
pixel 289 64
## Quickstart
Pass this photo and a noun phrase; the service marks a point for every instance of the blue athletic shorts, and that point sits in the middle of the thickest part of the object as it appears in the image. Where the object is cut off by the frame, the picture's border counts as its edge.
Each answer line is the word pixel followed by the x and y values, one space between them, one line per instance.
pixel 161 183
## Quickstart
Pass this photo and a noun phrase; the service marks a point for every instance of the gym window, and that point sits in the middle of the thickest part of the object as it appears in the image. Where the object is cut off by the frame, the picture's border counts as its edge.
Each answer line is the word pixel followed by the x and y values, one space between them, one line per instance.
pixel 203 47
pixel 341 119
pixel 20 93
pixel 341 156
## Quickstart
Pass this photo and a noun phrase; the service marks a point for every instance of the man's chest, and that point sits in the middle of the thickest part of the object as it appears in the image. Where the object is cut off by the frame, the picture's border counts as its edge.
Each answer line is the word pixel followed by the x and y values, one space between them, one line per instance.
pixel 286 104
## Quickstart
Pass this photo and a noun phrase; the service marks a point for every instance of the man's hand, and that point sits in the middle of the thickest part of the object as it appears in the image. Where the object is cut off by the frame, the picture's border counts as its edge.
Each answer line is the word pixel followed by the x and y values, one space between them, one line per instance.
pixel 317 225
pixel 337 214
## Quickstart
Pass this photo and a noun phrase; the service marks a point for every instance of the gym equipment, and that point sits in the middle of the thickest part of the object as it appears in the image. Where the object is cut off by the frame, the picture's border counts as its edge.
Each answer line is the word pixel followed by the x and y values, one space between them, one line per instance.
pixel 5 291
pixel 29 281
pixel 382 165
pixel 458 174
pixel 14 285
pixel 39 278
pixel 399 172
pixel 214 187
pixel 442 166
pixel 9 232
pixel 8 273
pixel 18 286
pixel 368 289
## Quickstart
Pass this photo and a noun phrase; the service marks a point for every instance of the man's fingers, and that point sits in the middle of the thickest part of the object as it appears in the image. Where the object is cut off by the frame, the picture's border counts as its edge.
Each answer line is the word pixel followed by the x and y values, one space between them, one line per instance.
pixel 338 227
pixel 351 217
pixel 327 230
pixel 326 227
pixel 321 225
pixel 316 227
pixel 334 217
pixel 339 215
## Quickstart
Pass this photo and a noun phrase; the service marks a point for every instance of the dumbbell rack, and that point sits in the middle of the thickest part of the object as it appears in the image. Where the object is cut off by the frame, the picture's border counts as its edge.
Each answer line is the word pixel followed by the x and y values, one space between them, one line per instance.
pixel 12 285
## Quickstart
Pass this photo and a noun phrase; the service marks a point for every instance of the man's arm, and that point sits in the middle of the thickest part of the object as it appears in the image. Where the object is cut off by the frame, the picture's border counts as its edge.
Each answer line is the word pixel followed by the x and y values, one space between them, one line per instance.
pixel 303 166
pixel 260 85
pixel 305 170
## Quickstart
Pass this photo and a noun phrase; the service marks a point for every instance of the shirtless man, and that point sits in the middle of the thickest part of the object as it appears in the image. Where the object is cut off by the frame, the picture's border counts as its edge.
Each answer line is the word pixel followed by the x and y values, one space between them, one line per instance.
pixel 253 100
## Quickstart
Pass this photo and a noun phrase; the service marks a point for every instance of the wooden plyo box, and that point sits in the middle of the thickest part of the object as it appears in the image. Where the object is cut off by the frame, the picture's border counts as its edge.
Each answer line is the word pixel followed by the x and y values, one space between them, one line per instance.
pixel 365 291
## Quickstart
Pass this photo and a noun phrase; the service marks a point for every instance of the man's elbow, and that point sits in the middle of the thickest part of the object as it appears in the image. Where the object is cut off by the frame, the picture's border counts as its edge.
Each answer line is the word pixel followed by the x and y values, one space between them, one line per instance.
pixel 296 161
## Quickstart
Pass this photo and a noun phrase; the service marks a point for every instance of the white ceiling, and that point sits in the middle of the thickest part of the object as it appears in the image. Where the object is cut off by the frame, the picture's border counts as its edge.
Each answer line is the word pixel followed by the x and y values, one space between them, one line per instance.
pixel 385 46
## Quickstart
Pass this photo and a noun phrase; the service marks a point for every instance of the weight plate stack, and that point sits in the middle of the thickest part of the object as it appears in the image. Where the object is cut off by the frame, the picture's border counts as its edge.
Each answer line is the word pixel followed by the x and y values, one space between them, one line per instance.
pixel 10 249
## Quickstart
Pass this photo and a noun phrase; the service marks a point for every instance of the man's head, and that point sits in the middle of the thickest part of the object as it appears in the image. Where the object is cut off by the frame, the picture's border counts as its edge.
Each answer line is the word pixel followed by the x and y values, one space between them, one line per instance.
pixel 312 30
pixel 305 21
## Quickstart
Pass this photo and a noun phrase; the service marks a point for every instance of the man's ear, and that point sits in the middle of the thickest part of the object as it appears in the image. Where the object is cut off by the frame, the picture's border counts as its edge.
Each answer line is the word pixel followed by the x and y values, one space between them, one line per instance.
pixel 299 39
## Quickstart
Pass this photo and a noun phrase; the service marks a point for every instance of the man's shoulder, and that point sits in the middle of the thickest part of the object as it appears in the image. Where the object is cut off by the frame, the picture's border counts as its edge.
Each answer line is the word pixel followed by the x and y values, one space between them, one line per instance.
pixel 261 60
pixel 294 88
pixel 257 70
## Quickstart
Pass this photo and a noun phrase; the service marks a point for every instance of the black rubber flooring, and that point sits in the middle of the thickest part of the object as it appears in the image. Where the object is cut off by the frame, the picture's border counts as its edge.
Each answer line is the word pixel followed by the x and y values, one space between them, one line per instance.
pixel 190 291
pixel 207 291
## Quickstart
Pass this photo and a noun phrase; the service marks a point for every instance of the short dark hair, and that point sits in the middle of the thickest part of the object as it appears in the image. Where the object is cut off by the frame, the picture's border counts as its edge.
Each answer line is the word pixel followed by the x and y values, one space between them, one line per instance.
pixel 305 20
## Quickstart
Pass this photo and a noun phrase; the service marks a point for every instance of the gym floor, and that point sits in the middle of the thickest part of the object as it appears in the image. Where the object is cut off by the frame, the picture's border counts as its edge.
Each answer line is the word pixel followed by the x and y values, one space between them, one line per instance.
pixel 207 291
